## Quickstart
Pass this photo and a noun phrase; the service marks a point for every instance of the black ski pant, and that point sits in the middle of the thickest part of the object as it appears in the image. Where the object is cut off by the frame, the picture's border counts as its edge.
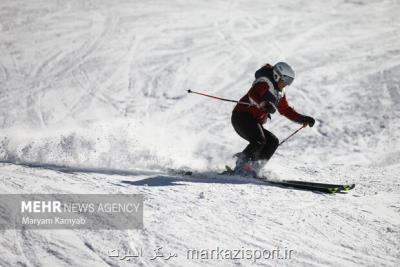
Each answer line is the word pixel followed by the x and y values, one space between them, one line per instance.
pixel 262 143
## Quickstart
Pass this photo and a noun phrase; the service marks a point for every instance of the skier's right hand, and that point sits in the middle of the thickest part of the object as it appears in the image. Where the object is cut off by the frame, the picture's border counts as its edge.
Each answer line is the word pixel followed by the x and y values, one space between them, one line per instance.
pixel 268 107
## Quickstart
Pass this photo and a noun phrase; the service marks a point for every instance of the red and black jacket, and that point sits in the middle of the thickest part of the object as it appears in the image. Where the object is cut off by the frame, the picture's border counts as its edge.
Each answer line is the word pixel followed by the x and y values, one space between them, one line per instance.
pixel 265 89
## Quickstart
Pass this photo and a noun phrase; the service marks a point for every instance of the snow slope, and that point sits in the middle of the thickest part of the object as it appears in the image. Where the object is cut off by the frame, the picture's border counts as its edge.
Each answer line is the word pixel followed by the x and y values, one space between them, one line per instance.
pixel 100 87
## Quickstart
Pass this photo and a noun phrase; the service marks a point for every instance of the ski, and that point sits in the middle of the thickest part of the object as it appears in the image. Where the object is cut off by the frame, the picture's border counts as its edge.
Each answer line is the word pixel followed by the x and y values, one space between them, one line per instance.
pixel 301 185
pixel 343 187
pixel 307 187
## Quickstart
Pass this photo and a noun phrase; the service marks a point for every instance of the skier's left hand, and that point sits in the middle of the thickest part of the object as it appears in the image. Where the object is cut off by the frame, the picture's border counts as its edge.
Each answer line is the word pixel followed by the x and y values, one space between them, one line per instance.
pixel 307 120
pixel 267 106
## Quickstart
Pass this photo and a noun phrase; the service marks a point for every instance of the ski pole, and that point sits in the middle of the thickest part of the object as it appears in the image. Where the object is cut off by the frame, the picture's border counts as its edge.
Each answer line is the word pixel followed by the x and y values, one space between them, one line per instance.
pixel 219 98
pixel 295 132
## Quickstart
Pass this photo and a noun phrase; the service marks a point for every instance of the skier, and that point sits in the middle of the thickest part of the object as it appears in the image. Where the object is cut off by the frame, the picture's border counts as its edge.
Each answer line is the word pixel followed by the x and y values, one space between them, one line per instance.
pixel 265 96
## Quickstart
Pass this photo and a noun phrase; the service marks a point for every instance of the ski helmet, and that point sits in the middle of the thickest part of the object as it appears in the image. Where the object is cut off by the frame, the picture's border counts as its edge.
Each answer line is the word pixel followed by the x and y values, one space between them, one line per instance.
pixel 283 71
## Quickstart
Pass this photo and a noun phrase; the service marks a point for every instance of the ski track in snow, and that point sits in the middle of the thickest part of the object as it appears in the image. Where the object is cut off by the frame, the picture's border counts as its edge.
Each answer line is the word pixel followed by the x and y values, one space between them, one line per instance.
pixel 101 89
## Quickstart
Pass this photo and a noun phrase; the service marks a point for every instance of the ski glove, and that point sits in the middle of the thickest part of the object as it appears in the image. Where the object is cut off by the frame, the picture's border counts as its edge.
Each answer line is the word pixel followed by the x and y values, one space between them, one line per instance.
pixel 268 107
pixel 307 120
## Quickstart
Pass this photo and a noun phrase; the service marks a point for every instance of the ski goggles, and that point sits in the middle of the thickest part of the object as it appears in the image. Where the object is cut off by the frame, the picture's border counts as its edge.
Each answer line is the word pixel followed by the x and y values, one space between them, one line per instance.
pixel 287 79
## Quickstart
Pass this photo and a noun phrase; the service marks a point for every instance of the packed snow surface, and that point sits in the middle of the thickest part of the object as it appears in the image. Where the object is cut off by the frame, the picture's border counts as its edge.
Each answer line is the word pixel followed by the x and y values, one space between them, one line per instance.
pixel 93 100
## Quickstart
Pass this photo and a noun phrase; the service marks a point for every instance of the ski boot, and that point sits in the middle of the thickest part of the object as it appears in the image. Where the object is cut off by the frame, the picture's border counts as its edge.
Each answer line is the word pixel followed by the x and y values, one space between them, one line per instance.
pixel 244 167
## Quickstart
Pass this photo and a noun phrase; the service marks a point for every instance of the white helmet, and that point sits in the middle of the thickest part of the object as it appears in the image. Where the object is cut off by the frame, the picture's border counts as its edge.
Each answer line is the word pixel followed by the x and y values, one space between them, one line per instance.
pixel 283 71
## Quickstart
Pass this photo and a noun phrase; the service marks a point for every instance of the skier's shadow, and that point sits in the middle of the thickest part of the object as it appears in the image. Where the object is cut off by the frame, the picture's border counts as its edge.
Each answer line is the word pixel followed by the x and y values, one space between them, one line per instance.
pixel 163 180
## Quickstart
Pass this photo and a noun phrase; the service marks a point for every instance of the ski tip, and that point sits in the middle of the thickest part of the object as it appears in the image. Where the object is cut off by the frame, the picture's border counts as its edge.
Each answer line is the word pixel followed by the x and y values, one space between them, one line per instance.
pixel 342 188
pixel 348 187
